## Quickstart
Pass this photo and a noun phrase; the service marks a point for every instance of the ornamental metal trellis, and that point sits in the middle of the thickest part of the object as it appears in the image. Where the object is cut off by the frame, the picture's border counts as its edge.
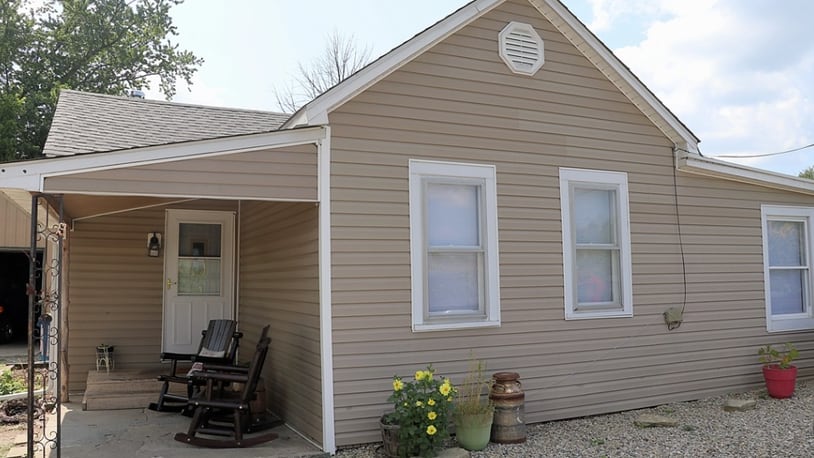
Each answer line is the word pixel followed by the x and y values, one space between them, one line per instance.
pixel 44 370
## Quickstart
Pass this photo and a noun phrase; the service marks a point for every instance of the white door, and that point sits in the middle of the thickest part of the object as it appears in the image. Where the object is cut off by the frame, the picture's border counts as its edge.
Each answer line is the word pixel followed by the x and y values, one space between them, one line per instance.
pixel 199 275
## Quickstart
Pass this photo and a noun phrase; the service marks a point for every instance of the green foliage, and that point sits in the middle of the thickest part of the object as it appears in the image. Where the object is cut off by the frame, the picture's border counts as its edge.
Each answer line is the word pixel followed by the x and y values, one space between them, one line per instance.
pixel 770 356
pixel 472 398
pixel 9 383
pixel 807 173
pixel 421 409
pixel 103 46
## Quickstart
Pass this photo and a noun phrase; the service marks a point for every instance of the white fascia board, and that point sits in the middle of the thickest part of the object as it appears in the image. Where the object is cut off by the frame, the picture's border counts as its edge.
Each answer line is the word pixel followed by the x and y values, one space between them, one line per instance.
pixel 316 112
pixel 700 165
pixel 688 140
pixel 29 175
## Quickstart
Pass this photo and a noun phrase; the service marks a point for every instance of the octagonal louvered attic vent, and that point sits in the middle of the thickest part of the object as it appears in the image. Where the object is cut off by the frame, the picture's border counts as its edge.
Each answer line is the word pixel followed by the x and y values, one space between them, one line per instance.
pixel 521 48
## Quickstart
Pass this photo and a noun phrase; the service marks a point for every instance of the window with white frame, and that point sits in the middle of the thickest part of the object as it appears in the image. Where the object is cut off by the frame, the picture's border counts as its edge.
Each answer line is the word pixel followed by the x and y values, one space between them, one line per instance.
pixel 453 235
pixel 596 244
pixel 787 273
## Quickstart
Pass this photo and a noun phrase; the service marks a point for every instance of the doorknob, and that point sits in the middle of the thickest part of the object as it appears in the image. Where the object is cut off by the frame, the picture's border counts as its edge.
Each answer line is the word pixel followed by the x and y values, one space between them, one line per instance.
pixel 170 283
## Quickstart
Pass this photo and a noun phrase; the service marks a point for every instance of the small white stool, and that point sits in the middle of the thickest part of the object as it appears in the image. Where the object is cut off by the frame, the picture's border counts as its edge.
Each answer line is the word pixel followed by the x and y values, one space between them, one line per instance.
pixel 104 356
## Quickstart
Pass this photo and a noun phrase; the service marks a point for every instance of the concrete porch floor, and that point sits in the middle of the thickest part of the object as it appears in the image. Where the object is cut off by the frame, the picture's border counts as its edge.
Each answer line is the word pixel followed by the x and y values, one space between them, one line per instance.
pixel 143 433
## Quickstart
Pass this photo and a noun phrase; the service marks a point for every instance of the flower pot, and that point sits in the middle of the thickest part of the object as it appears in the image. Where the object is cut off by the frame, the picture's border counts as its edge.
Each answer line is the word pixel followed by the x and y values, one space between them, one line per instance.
pixel 390 439
pixel 780 382
pixel 473 431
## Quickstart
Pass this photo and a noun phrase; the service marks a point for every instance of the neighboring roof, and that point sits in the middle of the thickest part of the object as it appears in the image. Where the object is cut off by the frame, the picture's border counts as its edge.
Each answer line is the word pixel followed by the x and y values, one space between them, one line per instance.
pixel 316 111
pixel 88 123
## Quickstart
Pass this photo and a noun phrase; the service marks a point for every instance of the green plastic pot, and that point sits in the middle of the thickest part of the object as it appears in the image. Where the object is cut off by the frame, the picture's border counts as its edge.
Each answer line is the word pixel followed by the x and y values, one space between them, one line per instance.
pixel 473 431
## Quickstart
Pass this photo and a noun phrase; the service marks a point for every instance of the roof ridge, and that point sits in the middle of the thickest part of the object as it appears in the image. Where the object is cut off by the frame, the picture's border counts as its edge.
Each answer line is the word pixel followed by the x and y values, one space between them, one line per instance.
pixel 172 103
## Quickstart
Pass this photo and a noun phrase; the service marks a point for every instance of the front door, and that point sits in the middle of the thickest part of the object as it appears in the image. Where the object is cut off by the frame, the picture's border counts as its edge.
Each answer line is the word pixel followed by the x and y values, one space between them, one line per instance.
pixel 199 275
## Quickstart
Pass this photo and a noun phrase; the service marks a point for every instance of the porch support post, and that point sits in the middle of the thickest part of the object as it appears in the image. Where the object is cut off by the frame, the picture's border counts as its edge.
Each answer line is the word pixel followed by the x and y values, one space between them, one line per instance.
pixel 325 321
pixel 31 291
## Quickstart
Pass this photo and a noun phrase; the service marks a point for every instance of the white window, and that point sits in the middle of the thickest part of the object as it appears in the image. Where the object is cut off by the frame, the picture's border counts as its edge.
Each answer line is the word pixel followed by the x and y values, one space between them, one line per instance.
pixel 453 235
pixel 596 244
pixel 787 273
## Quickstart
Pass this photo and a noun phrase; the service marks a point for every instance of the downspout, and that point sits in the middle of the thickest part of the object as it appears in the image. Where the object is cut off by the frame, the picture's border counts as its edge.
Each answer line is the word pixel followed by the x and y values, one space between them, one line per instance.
pixel 325 321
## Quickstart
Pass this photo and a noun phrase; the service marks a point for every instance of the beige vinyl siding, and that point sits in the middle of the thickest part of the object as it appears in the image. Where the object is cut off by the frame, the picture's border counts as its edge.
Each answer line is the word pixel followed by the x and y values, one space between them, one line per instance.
pixel 459 102
pixel 279 285
pixel 115 289
pixel 283 173
pixel 15 230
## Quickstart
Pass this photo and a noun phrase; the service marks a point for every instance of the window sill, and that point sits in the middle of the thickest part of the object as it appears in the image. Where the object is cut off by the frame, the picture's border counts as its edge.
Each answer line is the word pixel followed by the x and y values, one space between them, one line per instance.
pixel 598 314
pixel 795 325
pixel 454 326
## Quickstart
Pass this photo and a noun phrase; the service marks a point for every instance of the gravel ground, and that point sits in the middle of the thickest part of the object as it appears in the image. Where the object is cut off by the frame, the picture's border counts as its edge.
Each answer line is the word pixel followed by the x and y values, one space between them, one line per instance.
pixel 776 428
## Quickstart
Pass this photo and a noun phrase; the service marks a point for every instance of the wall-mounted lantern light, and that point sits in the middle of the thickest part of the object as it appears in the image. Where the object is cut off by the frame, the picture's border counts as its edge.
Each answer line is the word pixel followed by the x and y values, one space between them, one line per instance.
pixel 153 244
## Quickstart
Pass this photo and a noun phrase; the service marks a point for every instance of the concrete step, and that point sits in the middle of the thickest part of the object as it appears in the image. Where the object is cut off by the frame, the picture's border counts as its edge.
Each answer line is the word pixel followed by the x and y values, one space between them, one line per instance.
pixel 122 389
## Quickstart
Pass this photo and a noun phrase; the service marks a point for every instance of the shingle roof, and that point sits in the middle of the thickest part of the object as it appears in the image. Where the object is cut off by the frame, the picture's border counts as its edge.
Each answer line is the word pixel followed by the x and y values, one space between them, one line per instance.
pixel 87 123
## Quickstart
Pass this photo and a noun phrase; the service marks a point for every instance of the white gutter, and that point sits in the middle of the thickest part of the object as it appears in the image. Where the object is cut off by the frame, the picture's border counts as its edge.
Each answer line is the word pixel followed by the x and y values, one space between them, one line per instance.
pixel 707 166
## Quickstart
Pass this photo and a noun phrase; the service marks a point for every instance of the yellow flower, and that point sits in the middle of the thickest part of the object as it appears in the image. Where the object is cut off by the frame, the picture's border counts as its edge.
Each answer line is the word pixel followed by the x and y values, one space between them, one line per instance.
pixel 419 404
pixel 431 402
pixel 431 430
pixel 432 415
pixel 419 375
pixel 445 389
pixel 427 375
pixel 397 385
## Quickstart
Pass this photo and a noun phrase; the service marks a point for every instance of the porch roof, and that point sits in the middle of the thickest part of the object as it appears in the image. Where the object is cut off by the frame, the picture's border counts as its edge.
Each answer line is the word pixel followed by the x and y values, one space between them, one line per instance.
pixel 90 123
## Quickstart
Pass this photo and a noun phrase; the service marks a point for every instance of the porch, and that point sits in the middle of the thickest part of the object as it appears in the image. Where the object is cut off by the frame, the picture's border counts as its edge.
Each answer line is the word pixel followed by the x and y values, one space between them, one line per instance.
pixel 143 433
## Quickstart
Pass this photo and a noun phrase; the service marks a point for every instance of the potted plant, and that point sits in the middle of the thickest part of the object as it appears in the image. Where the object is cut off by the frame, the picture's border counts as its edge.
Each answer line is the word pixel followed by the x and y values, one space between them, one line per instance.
pixel 474 411
pixel 778 372
pixel 418 425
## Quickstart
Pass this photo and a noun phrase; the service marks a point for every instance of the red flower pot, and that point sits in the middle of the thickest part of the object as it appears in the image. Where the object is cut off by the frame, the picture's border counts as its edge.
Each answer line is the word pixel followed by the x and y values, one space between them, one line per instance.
pixel 780 382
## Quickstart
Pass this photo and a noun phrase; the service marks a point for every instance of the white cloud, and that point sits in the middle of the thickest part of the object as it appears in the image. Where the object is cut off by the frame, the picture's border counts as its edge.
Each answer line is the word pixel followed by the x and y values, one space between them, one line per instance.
pixel 739 74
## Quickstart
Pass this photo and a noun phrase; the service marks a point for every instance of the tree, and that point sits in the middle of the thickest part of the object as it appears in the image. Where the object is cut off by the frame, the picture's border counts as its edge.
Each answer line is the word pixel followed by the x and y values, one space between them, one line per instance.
pixel 103 46
pixel 340 59
pixel 807 173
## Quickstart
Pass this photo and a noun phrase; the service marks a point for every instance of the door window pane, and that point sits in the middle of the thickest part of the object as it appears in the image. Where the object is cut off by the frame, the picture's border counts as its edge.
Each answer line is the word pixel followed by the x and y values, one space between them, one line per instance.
pixel 594 211
pixel 454 282
pixel 198 277
pixel 452 215
pixel 786 243
pixel 787 291
pixel 596 280
pixel 199 240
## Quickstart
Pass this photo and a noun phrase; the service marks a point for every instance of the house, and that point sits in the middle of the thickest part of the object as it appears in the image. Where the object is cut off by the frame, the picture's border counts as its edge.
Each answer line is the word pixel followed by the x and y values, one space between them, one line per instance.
pixel 500 185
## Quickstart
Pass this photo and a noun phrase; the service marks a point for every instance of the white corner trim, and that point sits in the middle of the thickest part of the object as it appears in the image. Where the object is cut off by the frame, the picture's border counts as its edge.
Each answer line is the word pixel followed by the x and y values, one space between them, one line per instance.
pixel 29 175
pixel 707 166
pixel 574 26
pixel 316 111
pixel 325 305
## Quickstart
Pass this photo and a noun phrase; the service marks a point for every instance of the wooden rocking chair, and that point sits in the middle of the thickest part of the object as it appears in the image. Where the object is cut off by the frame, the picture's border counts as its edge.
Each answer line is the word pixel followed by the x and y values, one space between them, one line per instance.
pixel 225 413
pixel 219 343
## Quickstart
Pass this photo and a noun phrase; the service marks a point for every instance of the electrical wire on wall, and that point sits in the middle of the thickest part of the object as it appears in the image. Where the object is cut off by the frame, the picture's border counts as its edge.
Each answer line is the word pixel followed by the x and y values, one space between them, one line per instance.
pixel 674 316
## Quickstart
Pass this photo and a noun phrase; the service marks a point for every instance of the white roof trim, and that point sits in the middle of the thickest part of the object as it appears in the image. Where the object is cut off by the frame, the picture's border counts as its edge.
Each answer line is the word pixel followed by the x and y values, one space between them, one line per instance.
pixel 316 111
pixel 700 165
pixel 30 175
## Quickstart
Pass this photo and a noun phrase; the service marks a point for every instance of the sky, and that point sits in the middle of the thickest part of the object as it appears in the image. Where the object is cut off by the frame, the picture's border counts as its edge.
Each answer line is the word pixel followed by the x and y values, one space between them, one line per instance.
pixel 738 73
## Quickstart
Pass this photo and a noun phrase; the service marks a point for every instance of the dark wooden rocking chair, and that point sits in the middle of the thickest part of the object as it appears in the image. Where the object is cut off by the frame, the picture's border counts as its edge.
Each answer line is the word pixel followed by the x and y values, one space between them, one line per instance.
pixel 219 343
pixel 225 413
